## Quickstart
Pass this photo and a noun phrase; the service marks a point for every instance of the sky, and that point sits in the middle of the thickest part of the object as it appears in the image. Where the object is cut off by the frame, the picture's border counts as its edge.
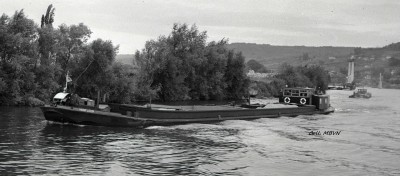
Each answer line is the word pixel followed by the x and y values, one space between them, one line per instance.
pixel 130 23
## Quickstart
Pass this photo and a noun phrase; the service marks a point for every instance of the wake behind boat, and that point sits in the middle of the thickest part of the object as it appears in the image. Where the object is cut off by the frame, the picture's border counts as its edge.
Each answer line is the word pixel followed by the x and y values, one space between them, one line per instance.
pixel 293 102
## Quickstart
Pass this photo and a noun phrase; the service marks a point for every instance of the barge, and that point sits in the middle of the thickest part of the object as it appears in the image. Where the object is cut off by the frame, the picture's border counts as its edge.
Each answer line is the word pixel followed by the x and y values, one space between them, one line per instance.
pixel 293 102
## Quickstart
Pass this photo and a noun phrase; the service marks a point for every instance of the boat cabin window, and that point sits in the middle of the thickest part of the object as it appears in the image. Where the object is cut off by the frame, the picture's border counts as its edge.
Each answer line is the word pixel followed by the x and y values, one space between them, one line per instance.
pixel 295 93
pixel 298 92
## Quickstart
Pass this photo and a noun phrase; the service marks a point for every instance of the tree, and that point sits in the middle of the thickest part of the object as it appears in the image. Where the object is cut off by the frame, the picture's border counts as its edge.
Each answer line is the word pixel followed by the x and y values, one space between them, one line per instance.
pixel 357 51
pixel 72 40
pixel 235 77
pixel 122 85
pixel 149 64
pixel 305 57
pixel 394 62
pixel 317 75
pixel 47 71
pixel 256 66
pixel 95 70
pixel 18 38
pixel 47 38
pixel 33 61
pixel 48 19
pixel 183 66
pixel 314 76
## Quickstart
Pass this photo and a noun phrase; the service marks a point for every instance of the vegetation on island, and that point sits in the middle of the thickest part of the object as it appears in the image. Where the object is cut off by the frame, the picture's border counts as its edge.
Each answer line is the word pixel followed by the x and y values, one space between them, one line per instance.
pixel 181 66
pixel 257 66
pixel 35 59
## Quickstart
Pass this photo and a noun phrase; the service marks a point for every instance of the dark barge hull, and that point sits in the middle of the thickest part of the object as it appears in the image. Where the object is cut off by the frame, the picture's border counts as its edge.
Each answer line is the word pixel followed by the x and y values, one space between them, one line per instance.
pixel 132 116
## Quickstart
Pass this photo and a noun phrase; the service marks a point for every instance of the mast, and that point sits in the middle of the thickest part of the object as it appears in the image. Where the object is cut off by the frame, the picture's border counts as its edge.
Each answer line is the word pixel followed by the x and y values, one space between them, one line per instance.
pixel 67 79
pixel 66 82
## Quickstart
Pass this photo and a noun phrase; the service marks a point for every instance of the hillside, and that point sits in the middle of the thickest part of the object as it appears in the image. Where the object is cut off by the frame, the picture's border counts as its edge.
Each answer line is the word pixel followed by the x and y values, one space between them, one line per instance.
pixel 333 58
pixel 125 59
pixel 273 56
pixel 369 62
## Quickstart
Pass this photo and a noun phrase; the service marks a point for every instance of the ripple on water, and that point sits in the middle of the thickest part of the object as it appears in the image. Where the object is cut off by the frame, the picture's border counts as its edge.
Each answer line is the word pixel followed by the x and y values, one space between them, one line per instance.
pixel 367 145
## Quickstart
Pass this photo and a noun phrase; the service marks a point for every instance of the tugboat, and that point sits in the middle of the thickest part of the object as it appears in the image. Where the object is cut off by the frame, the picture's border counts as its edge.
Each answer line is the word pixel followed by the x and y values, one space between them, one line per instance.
pixel 361 93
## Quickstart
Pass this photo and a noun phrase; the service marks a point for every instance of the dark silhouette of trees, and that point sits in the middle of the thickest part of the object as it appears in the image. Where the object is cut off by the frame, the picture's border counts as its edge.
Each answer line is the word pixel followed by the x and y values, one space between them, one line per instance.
pixel 34 60
pixel 182 66
pixel 256 66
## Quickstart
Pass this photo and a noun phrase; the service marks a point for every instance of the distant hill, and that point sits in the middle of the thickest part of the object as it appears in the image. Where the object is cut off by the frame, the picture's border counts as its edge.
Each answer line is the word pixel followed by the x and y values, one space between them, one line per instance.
pixel 369 62
pixel 273 56
pixel 333 58
pixel 125 59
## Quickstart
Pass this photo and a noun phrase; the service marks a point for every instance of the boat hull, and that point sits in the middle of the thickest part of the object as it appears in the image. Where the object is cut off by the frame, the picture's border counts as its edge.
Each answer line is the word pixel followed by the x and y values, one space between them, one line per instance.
pixel 131 116
pixel 361 96
pixel 87 117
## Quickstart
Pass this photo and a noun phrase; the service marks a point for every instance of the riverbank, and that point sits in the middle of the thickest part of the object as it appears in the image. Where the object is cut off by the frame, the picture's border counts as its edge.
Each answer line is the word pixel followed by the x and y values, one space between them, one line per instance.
pixel 24 101
pixel 35 102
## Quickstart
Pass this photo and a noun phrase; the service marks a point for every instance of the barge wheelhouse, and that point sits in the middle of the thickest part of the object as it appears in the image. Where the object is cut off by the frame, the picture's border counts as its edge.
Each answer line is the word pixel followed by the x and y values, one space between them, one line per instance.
pixel 305 96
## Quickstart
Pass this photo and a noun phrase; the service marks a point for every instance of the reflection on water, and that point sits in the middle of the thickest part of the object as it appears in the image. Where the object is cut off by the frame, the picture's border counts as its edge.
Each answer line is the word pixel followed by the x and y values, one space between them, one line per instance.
pixel 369 144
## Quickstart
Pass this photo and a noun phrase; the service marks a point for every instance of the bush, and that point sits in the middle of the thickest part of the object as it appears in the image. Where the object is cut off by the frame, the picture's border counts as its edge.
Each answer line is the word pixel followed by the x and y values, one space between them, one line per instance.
pixel 32 101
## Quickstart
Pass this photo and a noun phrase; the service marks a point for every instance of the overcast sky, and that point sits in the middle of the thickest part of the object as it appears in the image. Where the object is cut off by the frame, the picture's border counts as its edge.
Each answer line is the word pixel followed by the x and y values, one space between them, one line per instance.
pixel 130 23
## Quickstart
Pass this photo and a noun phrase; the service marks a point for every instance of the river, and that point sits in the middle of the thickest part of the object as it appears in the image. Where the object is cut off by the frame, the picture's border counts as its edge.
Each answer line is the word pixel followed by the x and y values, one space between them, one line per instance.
pixel 366 141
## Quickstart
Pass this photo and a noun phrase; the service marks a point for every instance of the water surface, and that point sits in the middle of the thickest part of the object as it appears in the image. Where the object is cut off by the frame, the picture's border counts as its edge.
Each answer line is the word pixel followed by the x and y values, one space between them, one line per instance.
pixel 368 144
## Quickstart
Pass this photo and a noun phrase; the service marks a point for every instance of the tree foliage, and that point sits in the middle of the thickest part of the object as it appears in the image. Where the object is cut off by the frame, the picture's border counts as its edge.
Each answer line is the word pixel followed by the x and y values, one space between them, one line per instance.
pixel 95 68
pixel 182 66
pixel 314 76
pixel 48 19
pixel 308 76
pixel 394 62
pixel 35 59
pixel 17 59
pixel 256 66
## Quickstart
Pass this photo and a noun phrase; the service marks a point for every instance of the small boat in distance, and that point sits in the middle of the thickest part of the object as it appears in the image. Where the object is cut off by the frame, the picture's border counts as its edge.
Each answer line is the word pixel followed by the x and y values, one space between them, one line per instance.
pixel 293 102
pixel 361 93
